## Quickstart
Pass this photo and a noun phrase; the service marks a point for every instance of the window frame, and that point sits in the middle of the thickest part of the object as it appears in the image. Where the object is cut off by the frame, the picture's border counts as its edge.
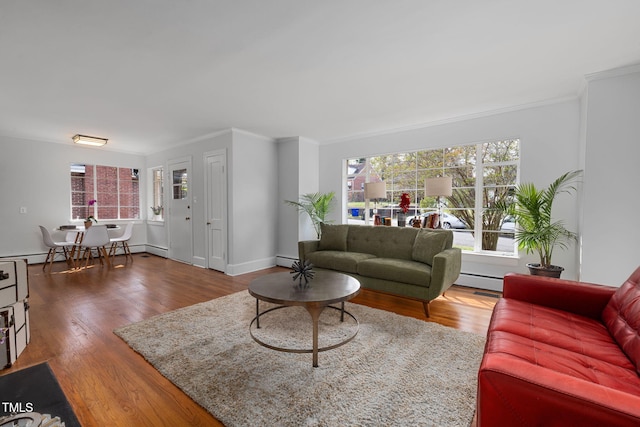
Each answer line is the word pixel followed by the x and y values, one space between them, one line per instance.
pixel 98 187
pixel 155 192
pixel 478 167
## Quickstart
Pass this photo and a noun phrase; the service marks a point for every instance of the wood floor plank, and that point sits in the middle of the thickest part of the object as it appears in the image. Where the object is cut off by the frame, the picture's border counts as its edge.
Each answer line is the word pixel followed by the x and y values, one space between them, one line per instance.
pixel 73 315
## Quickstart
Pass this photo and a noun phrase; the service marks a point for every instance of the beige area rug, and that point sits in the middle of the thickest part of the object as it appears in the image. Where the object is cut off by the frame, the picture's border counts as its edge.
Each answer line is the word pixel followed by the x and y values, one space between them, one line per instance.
pixel 396 371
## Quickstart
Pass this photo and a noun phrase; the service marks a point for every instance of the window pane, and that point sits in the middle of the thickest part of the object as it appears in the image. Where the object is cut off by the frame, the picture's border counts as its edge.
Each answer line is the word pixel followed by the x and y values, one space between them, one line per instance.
pixel 180 184
pixel 82 190
pixel 129 193
pixel 482 175
pixel 501 151
pixel 500 175
pixel 158 194
pixel 492 237
pixel 460 156
pixel 356 177
pixel 430 159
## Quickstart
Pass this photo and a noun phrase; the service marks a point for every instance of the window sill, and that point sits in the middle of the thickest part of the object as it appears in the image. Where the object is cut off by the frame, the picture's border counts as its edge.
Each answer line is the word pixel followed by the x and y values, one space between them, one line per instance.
pixel 155 222
pixel 490 258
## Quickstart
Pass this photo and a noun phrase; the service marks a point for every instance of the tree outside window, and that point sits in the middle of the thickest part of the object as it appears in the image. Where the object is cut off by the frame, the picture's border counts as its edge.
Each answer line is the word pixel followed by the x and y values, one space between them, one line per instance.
pixel 482 175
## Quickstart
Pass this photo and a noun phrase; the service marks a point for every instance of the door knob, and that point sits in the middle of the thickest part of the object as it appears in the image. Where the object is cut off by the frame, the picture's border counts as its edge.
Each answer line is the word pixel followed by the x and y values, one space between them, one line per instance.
pixel 187 218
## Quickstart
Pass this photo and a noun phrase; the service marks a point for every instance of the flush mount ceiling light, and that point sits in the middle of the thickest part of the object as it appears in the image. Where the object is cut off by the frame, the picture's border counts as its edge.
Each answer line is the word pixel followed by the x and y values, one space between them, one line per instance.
pixel 89 140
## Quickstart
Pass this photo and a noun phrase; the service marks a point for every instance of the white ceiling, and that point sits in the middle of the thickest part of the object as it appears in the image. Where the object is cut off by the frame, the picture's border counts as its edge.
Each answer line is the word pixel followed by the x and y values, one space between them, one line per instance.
pixel 148 74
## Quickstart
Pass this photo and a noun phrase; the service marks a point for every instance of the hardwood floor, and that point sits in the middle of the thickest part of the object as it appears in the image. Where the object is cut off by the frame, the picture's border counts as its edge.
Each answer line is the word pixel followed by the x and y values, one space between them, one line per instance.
pixel 73 314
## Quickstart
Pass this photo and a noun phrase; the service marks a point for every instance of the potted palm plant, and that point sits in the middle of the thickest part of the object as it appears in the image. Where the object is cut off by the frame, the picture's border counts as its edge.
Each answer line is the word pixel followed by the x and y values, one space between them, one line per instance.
pixel 316 205
pixel 535 231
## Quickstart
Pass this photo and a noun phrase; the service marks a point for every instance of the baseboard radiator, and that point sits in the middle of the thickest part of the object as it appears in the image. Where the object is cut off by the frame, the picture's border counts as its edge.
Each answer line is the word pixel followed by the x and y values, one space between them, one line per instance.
pixel 480 281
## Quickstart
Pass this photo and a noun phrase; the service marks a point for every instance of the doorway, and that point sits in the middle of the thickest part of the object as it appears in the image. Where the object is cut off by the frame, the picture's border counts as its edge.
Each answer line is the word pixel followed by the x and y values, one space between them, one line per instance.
pixel 180 228
pixel 216 192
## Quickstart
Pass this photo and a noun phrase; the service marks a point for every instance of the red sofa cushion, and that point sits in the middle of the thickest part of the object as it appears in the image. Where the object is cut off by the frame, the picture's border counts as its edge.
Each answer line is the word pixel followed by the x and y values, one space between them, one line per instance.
pixel 622 318
pixel 561 342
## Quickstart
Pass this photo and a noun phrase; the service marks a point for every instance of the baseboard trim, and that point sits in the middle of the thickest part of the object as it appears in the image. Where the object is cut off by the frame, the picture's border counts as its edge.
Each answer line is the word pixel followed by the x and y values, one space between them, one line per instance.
pixel 157 250
pixel 250 267
pixel 480 282
pixel 285 261
pixel 40 258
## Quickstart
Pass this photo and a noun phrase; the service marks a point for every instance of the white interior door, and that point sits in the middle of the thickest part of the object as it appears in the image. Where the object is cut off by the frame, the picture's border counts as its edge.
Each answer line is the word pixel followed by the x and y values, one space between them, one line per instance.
pixel 216 209
pixel 180 229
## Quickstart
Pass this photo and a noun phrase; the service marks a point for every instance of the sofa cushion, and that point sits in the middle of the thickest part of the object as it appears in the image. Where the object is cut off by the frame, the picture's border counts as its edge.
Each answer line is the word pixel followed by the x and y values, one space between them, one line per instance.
pixel 383 242
pixel 560 342
pixel 338 260
pixel 622 318
pixel 428 244
pixel 397 270
pixel 333 237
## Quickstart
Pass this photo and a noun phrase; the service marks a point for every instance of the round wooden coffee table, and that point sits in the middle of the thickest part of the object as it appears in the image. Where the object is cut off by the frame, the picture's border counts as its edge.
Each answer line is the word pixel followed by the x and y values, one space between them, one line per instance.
pixel 327 287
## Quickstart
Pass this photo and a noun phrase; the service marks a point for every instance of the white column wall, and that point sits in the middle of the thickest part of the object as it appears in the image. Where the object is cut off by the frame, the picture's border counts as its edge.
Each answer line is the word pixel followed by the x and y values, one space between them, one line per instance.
pixel 253 203
pixel 288 189
pixel 298 174
pixel 610 231
pixel 309 179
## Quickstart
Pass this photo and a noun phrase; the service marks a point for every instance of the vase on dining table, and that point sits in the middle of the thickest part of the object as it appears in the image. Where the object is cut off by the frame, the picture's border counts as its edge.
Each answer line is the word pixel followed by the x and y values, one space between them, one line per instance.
pixel 87 224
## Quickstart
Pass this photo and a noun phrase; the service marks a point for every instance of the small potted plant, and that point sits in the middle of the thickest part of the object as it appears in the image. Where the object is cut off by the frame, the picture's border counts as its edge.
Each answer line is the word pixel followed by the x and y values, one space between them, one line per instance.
pixel 90 218
pixel 535 231
pixel 157 213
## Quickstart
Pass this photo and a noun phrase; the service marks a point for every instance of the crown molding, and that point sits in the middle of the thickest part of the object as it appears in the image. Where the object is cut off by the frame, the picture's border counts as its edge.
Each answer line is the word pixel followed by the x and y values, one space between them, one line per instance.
pixel 253 135
pixel 614 72
pixel 450 120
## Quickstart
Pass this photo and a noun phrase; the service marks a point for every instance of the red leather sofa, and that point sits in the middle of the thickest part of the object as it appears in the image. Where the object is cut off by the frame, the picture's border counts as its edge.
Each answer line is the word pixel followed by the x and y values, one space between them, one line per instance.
pixel 562 353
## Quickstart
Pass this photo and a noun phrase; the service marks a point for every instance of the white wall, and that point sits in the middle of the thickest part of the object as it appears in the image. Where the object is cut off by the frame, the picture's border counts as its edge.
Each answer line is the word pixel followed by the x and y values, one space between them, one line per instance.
pixel 251 200
pixel 549 136
pixel 35 175
pixel 253 203
pixel 309 182
pixel 288 189
pixel 195 150
pixel 298 174
pixel 610 230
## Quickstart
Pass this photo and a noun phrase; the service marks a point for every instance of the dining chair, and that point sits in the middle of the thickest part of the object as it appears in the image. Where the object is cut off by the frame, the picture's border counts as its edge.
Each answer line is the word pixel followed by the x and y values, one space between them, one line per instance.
pixel 123 240
pixel 53 247
pixel 95 237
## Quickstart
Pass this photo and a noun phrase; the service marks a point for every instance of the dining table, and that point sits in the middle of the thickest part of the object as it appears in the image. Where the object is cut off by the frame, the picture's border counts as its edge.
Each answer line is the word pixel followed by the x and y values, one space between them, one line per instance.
pixel 74 235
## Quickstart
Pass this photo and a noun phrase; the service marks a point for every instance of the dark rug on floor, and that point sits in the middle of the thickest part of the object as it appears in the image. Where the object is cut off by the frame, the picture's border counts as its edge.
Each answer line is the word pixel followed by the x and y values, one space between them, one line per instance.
pixel 35 389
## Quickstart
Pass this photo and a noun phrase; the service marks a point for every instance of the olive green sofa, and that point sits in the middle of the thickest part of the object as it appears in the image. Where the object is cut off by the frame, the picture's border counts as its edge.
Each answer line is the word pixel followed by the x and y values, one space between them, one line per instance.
pixel 414 263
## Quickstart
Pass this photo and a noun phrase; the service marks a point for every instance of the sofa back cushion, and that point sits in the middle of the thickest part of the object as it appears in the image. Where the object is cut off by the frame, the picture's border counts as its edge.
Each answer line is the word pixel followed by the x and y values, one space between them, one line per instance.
pixel 622 318
pixel 333 237
pixel 429 243
pixel 382 241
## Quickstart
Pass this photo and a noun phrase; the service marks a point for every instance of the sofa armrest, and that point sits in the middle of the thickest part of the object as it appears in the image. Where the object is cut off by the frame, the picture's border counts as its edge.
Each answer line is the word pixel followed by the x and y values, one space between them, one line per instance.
pixel 512 391
pixel 444 271
pixel 305 247
pixel 585 299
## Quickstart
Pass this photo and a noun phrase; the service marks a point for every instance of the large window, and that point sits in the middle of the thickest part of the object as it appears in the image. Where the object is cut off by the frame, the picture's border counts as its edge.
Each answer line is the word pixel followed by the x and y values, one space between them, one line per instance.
pixel 115 190
pixel 482 174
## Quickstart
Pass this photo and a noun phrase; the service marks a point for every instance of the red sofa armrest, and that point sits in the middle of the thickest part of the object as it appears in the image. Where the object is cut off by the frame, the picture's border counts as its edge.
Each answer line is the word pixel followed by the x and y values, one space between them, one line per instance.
pixel 585 299
pixel 512 392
